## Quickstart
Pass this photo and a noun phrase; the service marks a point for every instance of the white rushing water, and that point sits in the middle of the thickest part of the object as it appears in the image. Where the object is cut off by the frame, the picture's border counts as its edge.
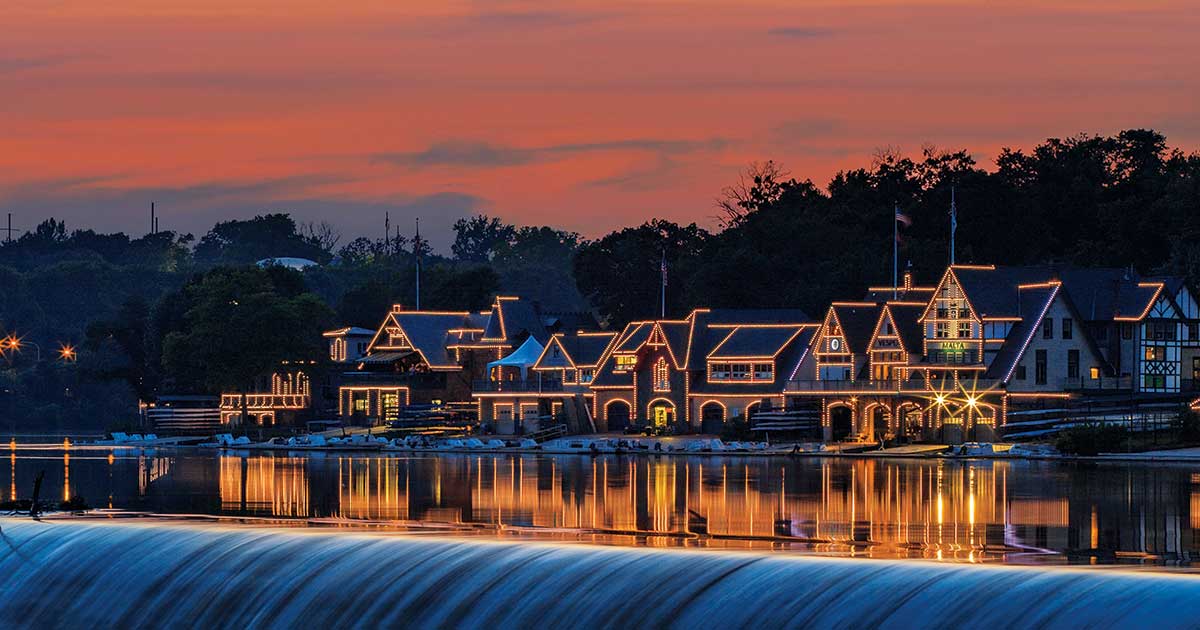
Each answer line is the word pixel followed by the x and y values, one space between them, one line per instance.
pixel 138 574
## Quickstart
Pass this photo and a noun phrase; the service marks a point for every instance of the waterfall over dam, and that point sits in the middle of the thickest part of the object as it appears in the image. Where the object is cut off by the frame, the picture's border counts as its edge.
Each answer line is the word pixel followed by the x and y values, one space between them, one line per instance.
pixel 62 573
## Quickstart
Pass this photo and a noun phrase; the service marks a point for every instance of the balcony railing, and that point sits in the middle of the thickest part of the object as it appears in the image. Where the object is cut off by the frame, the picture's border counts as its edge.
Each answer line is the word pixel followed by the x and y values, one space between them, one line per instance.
pixel 265 401
pixel 1104 383
pixel 531 386
pixel 882 387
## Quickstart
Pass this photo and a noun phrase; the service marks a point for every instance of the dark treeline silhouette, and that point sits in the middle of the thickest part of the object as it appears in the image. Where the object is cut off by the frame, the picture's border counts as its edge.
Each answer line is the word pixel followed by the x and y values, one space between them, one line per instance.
pixel 169 312
pixel 1126 200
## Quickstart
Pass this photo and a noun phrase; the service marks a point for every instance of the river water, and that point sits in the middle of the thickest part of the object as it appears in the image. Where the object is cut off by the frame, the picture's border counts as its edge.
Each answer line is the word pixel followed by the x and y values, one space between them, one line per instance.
pixel 1015 512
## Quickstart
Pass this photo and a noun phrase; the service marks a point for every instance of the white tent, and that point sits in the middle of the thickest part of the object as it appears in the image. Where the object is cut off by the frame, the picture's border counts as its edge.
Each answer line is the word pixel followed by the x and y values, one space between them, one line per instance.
pixel 522 357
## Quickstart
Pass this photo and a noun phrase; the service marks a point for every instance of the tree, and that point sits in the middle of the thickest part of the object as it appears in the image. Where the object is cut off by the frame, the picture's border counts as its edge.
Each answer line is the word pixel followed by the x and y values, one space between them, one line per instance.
pixel 536 264
pixel 760 185
pixel 266 236
pixel 126 335
pixel 478 238
pixel 241 323
pixel 620 273
pixel 323 234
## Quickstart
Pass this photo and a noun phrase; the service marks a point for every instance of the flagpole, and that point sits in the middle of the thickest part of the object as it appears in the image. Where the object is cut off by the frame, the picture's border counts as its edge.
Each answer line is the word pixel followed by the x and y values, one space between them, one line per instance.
pixel 417 251
pixel 953 223
pixel 663 288
pixel 895 248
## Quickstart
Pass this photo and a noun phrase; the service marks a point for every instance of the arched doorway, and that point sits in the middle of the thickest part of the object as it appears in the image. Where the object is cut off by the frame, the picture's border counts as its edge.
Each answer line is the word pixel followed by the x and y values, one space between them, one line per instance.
pixel 841 422
pixel 616 414
pixel 712 417
pixel 751 409
pixel 660 413
pixel 908 420
pixel 880 417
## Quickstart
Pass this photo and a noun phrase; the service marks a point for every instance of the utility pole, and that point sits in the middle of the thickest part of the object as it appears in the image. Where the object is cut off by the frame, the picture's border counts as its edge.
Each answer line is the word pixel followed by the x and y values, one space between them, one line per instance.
pixel 8 231
pixel 153 220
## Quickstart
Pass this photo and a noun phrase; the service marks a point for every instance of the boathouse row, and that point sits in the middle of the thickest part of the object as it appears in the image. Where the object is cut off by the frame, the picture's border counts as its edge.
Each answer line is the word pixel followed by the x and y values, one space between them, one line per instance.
pixel 1002 351
pixel 985 351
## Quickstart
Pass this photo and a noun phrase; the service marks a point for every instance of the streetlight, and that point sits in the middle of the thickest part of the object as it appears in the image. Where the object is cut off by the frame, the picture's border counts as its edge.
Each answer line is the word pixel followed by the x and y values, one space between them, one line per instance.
pixel 15 344
pixel 67 353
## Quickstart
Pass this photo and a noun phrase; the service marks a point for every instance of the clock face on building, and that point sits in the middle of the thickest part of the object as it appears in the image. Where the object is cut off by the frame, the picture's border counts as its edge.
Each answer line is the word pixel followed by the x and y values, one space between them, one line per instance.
pixel 835 344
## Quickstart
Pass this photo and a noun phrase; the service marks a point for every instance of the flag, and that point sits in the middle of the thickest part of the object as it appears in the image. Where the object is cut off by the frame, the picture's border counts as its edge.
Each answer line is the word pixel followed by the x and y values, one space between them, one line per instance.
pixel 903 218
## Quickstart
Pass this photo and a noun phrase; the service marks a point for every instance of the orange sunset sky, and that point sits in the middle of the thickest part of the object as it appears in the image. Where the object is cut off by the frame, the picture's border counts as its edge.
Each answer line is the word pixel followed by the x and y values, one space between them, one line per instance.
pixel 581 114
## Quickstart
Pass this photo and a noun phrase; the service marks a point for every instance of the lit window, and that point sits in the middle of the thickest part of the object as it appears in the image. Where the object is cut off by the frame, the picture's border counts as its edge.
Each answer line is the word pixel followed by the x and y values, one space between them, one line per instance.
pixel 626 362
pixel 1095 373
pixel 662 376
pixel 1156 353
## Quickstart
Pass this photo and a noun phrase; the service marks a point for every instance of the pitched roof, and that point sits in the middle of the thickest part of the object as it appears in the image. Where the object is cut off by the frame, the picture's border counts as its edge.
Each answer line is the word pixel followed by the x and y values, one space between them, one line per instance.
pixel 907 318
pixel 754 341
pixel 677 333
pixel 429 333
pixel 1099 293
pixel 584 350
pixel 711 326
pixel 349 331
pixel 1035 301
pixel 1105 293
pixel 634 335
pixel 858 323
pixel 788 358
pixel 994 291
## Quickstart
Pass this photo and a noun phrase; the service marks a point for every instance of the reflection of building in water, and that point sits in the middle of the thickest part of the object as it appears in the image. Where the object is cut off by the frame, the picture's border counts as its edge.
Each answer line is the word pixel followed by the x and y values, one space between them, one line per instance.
pixel 869 502
pixel 151 469
pixel 275 486
pixel 963 510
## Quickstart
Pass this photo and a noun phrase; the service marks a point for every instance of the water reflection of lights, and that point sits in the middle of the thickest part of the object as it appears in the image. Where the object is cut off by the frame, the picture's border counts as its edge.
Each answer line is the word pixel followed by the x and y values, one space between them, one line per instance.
pixel 967 511
pixel 849 509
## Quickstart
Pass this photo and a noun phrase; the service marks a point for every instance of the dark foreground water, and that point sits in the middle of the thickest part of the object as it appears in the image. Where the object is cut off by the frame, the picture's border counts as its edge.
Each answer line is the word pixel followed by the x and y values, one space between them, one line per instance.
pixel 991 511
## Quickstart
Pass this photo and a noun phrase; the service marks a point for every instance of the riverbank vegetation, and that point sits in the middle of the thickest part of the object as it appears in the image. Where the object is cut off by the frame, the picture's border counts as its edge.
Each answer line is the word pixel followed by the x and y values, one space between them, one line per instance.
pixel 173 312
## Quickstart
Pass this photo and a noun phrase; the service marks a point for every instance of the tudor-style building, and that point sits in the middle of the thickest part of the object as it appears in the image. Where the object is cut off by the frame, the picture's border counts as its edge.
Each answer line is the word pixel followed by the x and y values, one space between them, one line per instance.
pixel 991 344
pixel 421 357
pixel 696 373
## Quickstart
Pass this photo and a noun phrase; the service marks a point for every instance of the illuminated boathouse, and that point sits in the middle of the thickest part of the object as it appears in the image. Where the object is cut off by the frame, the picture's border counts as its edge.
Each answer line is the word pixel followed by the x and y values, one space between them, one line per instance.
pixel 1001 351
